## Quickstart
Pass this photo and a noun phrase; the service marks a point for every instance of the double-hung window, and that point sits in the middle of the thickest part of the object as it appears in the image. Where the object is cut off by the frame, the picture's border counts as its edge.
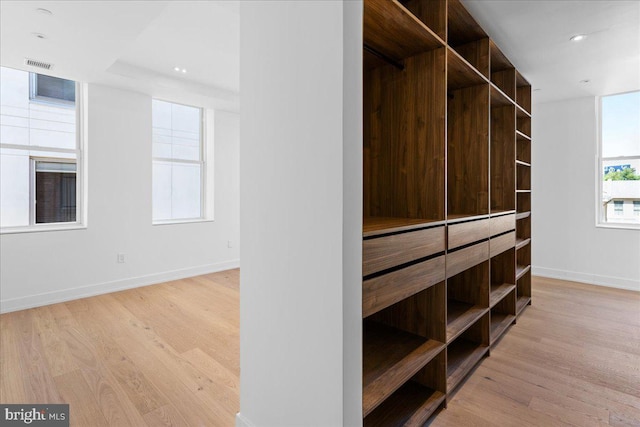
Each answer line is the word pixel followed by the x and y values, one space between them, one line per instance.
pixel 179 166
pixel 41 152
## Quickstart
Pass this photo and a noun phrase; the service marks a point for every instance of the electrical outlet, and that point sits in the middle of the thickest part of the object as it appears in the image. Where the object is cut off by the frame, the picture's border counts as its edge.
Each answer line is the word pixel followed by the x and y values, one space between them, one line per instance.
pixel 121 259
pixel 229 244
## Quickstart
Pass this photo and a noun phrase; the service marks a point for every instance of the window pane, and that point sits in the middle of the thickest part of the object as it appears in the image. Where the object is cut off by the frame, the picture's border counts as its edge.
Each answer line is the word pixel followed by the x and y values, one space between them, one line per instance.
pixel 176 131
pixel 54 87
pixel 55 194
pixel 14 188
pixel 185 191
pixel 161 191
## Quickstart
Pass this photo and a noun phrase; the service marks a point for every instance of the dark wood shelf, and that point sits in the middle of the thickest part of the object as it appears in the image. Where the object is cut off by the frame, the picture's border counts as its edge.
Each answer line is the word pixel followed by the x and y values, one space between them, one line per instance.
pixel 460 316
pixel 463 28
pixel 521 243
pixel 462 356
pixel 500 322
pixel 411 405
pixel 455 218
pixel 521 112
pixel 460 73
pixel 499 98
pixel 394 32
pixel 500 212
pixel 523 215
pixel 521 270
pixel 523 191
pixel 520 135
pixel 521 303
pixel 391 358
pixel 374 226
pixel 521 163
pixel 499 291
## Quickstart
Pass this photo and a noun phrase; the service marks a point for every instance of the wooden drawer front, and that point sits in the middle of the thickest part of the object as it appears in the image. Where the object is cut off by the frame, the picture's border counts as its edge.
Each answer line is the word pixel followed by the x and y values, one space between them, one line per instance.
pixel 497 245
pixel 468 232
pixel 383 291
pixel 386 252
pixel 503 223
pixel 463 259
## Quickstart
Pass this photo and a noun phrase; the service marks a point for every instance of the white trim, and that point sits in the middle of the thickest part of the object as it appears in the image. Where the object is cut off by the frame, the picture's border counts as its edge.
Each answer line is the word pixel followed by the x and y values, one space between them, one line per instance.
pixel 180 221
pixel 38 228
pixel 37 300
pixel 592 279
pixel 242 421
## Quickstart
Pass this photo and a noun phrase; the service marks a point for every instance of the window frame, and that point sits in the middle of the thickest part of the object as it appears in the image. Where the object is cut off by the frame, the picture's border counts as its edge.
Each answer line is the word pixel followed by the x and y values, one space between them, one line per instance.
pixel 205 162
pixel 38 153
pixel 600 206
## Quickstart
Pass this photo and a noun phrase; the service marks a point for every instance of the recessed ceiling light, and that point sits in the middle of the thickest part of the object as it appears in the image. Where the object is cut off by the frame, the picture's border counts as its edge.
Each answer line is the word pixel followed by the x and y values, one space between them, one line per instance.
pixel 585 81
pixel 176 68
pixel 44 11
pixel 578 37
pixel 184 70
pixel 39 35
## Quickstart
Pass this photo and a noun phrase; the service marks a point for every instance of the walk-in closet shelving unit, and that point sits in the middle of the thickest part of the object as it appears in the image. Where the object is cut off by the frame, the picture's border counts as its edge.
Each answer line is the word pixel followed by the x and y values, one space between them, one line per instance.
pixel 447 201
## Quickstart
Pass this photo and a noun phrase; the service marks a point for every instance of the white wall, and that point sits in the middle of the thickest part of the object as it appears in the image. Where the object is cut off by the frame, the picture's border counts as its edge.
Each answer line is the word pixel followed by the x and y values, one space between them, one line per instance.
pixel 300 185
pixel 45 267
pixel 566 242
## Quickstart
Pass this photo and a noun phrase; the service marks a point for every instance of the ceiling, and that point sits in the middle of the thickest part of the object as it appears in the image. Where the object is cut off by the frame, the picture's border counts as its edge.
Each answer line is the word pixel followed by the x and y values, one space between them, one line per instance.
pixel 137 44
pixel 132 44
pixel 534 35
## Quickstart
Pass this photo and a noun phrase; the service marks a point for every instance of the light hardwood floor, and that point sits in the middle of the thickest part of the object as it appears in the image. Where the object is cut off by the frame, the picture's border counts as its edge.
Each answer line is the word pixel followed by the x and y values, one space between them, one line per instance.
pixel 169 355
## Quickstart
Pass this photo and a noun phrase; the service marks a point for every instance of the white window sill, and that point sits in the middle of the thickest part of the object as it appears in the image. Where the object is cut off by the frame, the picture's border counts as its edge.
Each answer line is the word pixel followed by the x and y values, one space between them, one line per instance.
pixel 42 228
pixel 618 225
pixel 181 221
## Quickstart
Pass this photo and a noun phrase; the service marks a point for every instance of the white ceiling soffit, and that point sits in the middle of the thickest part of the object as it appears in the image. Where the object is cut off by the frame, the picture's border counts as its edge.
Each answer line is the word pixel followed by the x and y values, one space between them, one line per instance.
pixel 82 38
pixel 134 45
pixel 535 36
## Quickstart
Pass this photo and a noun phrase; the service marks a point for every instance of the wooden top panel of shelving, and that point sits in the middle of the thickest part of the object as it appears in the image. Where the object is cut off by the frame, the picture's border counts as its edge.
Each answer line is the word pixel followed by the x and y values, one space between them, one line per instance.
pixel 391 357
pixel 462 27
pixel 521 81
pixel 375 226
pixel 460 73
pixel 393 31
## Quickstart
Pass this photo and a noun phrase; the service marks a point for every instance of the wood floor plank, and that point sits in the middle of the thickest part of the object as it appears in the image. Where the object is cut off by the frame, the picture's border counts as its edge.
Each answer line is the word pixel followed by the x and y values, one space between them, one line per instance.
pixel 83 409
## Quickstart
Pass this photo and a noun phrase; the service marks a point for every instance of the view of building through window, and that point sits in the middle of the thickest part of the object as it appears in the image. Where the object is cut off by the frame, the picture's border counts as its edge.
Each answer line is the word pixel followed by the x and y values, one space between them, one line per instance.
pixel 39 150
pixel 178 162
pixel 620 165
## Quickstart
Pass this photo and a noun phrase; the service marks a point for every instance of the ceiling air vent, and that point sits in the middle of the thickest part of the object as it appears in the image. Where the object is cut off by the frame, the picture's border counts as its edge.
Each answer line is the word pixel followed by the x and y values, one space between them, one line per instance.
pixel 39 64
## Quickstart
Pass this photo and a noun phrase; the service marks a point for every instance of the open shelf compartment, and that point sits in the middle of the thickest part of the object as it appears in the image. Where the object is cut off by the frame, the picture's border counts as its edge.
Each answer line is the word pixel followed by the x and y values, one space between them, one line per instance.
pixel 403 160
pixel 394 33
pixel 467 299
pixel 523 177
pixel 503 314
pixel 523 93
pixel 433 13
pixel 414 402
pixel 523 148
pixel 523 292
pixel 502 160
pixel 399 341
pixel 503 276
pixel 503 74
pixel 465 352
pixel 468 151
pixel 467 37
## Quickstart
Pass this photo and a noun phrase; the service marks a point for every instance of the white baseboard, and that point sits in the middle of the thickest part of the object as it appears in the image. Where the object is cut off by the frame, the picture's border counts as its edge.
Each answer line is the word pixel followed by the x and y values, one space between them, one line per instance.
pixel 593 279
pixel 30 301
pixel 242 421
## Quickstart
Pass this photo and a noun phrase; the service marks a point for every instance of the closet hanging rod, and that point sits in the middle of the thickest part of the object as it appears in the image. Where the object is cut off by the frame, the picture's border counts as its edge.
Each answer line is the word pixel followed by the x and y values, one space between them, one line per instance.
pixel 384 57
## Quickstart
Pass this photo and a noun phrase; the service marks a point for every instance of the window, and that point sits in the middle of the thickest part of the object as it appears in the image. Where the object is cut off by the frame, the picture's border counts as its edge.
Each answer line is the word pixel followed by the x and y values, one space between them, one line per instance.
pixel 618 207
pixel 41 152
pixel 179 165
pixel 619 164
pixel 52 89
